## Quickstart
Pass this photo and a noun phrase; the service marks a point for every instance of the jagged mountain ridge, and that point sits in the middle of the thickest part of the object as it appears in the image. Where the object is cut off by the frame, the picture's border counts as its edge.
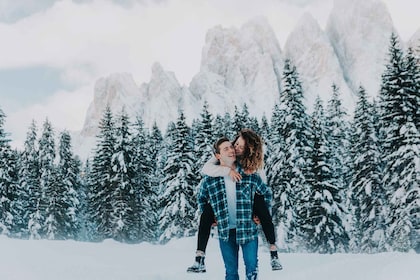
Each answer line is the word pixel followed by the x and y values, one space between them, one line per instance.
pixel 245 66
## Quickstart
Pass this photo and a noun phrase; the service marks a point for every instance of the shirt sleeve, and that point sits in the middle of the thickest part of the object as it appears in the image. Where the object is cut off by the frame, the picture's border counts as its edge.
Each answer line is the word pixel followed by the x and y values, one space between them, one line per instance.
pixel 213 169
pixel 202 195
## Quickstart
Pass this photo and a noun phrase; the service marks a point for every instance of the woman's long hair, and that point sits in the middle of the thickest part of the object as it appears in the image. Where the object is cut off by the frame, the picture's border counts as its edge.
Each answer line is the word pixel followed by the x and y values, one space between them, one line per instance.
pixel 253 156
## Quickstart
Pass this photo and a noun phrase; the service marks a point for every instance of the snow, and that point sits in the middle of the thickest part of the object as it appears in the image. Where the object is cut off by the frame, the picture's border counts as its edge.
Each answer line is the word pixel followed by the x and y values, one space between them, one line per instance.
pixel 65 260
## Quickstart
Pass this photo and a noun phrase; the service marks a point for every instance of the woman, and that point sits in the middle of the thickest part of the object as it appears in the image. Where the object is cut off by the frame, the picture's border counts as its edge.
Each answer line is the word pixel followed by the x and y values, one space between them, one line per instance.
pixel 249 152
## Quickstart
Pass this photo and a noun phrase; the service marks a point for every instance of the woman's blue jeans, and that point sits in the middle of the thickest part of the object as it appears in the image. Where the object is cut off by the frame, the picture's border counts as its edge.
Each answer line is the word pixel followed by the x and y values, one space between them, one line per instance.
pixel 230 254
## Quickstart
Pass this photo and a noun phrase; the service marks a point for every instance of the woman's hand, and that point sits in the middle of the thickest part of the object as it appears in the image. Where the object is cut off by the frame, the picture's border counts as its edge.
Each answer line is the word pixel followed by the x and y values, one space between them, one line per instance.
pixel 256 220
pixel 236 177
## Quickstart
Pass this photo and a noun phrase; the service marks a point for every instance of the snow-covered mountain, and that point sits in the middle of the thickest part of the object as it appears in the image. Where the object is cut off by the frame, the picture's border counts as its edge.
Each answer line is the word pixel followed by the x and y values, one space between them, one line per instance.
pixel 311 52
pixel 360 31
pixel 244 65
pixel 414 42
pixel 118 90
pixel 240 66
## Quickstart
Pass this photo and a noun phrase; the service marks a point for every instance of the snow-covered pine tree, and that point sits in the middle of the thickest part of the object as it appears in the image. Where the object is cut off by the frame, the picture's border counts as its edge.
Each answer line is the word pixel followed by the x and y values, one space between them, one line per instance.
pixel 50 192
pixel 87 231
pixel 413 90
pixel 100 191
pixel 338 129
pixel 412 85
pixel 158 159
pixel 287 165
pixel 204 139
pixel 143 164
pixel 68 169
pixel 366 189
pixel 401 145
pixel 238 121
pixel 29 178
pixel 124 220
pixel 177 198
pixel 322 213
pixel 223 126
pixel 264 128
pixel 338 139
pixel 8 180
pixel 17 207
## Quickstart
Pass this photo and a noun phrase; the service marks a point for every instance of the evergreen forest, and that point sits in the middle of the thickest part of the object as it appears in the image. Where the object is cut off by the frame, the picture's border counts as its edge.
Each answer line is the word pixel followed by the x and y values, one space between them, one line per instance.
pixel 339 183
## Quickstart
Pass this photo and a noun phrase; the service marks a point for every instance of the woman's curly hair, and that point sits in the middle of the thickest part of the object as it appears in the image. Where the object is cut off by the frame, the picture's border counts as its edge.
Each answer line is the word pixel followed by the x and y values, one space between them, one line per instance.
pixel 253 156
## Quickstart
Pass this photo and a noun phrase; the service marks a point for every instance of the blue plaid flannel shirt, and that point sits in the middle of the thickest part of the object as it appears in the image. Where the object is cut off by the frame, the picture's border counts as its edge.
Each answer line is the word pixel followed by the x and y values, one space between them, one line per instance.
pixel 212 190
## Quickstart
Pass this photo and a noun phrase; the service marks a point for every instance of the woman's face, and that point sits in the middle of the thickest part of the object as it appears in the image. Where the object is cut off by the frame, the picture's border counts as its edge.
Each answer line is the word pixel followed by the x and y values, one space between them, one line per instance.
pixel 239 146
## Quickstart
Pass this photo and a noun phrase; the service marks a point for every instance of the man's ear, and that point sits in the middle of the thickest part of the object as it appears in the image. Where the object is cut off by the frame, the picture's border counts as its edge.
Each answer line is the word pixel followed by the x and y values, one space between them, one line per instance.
pixel 217 156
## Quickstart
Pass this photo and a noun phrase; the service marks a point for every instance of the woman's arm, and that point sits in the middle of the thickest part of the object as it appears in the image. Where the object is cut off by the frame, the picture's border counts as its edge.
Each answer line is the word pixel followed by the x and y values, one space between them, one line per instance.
pixel 261 172
pixel 213 169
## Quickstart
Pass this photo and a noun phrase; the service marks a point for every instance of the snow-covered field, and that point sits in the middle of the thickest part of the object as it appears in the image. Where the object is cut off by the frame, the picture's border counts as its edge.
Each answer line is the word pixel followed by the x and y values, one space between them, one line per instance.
pixel 110 260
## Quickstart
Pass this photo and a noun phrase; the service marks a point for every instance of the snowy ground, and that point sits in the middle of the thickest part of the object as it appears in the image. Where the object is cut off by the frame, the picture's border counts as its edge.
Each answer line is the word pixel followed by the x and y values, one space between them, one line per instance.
pixel 110 260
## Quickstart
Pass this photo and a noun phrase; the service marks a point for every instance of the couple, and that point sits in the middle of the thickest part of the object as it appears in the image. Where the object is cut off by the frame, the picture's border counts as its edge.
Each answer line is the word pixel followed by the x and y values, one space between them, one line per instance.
pixel 231 197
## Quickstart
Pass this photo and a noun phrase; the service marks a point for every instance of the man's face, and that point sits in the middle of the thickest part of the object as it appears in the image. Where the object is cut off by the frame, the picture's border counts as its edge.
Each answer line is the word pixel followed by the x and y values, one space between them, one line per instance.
pixel 227 154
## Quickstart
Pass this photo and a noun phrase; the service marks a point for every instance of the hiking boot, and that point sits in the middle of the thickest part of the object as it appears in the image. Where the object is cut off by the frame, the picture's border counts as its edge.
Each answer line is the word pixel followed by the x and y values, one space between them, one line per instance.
pixel 198 266
pixel 275 264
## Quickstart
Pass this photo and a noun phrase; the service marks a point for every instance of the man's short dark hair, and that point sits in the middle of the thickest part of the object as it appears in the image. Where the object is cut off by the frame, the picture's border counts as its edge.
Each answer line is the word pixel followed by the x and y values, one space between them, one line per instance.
pixel 216 145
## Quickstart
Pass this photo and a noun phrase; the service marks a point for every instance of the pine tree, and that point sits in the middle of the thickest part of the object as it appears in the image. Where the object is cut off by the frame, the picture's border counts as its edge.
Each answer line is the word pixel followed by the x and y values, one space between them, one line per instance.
pixel 71 190
pixel 178 200
pixel 367 193
pixel 338 129
pixel 143 161
pixel 124 220
pixel 29 179
pixel 237 121
pixel 204 140
pixel 338 139
pixel 157 155
pixel 86 231
pixel 8 180
pixel 323 211
pixel 287 165
pixel 413 100
pixel 254 125
pixel 100 192
pixel 49 187
pixel 401 143
pixel 241 119
pixel 223 126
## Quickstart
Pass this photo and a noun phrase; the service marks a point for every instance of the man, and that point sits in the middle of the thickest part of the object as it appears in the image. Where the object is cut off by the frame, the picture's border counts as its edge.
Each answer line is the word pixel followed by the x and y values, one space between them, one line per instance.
pixel 232 204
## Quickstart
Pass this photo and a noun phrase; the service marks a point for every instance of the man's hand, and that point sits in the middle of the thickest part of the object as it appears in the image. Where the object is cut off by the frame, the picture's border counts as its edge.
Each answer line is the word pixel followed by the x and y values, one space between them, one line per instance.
pixel 236 177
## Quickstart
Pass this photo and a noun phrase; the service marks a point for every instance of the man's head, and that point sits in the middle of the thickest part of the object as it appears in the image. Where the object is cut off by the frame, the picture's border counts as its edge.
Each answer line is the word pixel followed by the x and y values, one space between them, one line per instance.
pixel 224 151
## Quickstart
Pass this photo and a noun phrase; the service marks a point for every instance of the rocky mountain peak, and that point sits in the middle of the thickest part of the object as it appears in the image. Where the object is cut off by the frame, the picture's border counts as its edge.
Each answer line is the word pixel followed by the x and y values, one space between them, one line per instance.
pixel 360 31
pixel 311 52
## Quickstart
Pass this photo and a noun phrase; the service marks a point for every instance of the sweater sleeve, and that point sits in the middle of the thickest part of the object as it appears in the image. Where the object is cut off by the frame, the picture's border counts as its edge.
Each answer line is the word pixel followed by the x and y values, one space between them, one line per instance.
pixel 213 169
pixel 261 172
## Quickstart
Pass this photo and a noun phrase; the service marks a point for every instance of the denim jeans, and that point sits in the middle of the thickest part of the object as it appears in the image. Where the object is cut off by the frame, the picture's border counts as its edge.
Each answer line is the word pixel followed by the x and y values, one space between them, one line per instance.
pixel 230 253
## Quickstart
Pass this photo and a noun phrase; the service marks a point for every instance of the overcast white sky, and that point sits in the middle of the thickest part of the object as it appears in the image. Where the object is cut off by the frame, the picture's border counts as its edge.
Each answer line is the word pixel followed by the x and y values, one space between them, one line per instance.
pixel 52 52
